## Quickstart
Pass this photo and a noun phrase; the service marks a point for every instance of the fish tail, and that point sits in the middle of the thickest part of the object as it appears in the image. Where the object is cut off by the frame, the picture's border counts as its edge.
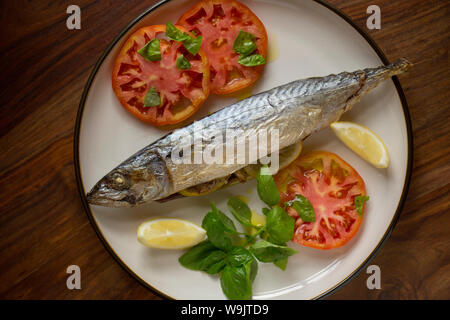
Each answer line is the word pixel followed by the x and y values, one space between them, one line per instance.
pixel 399 66
pixel 374 76
pixel 382 73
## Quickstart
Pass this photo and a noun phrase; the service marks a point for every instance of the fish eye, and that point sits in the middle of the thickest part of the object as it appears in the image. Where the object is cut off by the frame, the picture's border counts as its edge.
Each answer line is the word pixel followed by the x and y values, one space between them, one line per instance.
pixel 119 180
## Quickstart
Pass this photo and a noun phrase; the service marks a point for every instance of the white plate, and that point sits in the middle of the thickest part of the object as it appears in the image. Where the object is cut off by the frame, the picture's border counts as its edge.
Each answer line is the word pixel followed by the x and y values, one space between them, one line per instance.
pixel 307 39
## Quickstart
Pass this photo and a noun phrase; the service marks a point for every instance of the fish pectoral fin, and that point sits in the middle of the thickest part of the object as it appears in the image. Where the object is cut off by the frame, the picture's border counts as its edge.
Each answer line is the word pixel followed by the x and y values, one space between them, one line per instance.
pixel 310 117
pixel 313 112
pixel 310 113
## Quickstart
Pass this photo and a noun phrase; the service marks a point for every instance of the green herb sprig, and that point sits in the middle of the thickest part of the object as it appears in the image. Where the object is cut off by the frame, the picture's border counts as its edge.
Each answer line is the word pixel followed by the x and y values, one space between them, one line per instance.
pixel 192 44
pixel 152 98
pixel 359 203
pixel 245 45
pixel 183 63
pixel 151 51
pixel 233 255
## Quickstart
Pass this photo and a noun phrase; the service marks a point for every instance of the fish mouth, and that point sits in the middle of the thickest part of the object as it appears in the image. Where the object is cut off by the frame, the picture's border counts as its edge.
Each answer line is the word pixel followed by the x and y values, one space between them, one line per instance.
pixel 110 197
pixel 127 201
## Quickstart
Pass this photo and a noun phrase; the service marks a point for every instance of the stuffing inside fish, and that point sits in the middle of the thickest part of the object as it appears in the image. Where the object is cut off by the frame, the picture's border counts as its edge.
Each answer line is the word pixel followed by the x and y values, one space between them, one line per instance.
pixel 293 111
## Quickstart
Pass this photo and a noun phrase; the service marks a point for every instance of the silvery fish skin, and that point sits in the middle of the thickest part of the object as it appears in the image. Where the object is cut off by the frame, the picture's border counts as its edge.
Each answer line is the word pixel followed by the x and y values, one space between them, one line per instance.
pixel 296 109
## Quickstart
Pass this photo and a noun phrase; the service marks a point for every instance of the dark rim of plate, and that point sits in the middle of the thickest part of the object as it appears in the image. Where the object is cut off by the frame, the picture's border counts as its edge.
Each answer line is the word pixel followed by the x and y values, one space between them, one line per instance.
pixel 108 247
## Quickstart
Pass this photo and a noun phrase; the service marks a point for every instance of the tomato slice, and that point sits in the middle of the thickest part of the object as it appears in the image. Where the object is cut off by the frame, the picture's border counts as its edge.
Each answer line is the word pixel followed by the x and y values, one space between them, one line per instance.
pixel 181 92
pixel 331 185
pixel 219 23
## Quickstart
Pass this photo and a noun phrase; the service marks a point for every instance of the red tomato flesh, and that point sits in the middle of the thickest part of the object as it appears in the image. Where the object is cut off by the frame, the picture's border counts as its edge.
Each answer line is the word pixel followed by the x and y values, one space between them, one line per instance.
pixel 219 22
pixel 331 185
pixel 182 92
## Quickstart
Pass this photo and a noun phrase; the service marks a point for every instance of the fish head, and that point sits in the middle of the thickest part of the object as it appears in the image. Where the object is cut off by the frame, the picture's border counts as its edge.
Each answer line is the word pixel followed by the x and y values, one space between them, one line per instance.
pixel 140 179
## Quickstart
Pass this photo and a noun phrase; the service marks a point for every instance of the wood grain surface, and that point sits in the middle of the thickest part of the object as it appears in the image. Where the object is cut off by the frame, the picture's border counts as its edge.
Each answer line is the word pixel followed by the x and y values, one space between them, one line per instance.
pixel 43 226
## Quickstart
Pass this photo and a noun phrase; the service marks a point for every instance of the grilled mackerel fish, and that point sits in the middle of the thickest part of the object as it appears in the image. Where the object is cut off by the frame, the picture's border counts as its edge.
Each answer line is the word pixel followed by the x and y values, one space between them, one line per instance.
pixel 296 110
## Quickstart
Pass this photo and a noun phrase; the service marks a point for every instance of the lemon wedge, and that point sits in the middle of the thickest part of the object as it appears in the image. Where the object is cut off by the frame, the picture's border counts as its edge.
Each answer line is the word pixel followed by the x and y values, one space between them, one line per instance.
pixel 165 233
pixel 289 154
pixel 363 142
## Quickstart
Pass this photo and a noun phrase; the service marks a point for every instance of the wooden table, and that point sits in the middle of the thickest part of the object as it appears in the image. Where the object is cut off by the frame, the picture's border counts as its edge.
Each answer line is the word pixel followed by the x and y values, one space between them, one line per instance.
pixel 44 228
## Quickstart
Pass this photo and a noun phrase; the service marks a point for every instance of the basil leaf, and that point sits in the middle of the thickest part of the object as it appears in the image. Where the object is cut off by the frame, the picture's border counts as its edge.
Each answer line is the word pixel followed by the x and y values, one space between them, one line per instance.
pixel 265 251
pixel 359 203
pixel 303 207
pixel 173 33
pixel 282 264
pixel 194 257
pixel 239 256
pixel 183 63
pixel 214 262
pixel 216 232
pixel 251 61
pixel 227 222
pixel 236 283
pixel 265 211
pixel 252 269
pixel 151 51
pixel 240 211
pixel 218 227
pixel 216 267
pixel 279 225
pixel 152 98
pixel 193 44
pixel 244 43
pixel 266 187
